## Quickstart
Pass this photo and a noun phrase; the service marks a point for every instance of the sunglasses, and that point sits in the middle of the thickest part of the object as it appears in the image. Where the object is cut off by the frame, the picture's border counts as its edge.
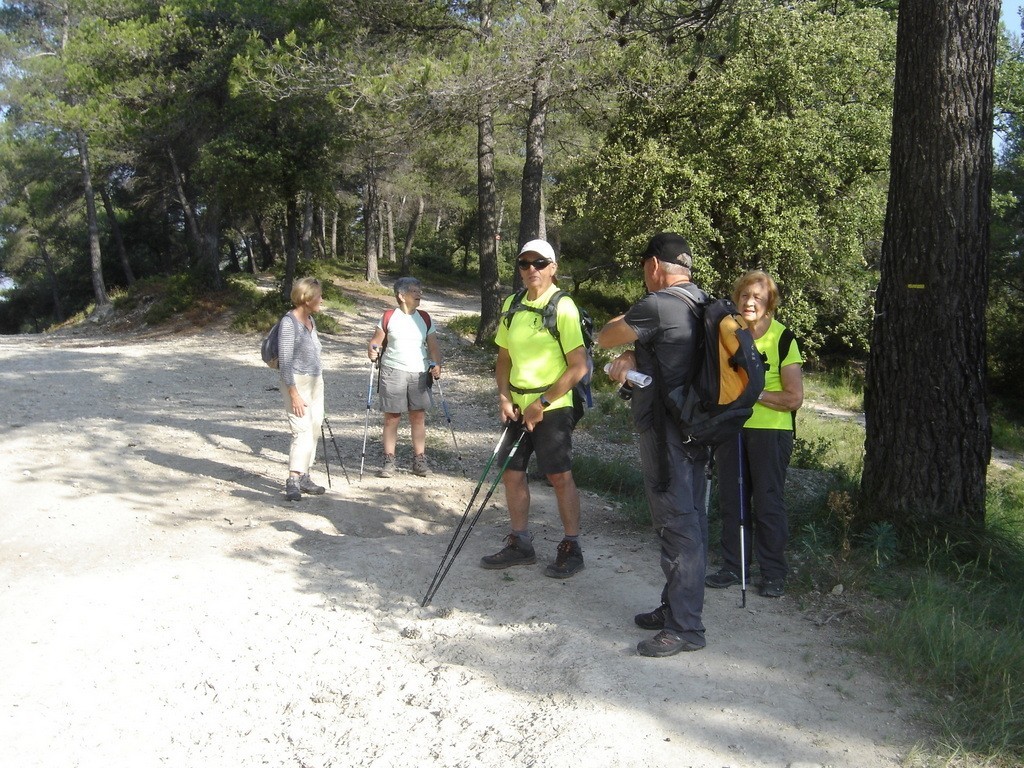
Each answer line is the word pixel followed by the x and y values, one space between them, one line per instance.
pixel 537 264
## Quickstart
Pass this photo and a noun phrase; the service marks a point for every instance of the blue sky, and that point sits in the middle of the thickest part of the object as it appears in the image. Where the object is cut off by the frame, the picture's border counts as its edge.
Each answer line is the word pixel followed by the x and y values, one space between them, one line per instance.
pixel 1011 17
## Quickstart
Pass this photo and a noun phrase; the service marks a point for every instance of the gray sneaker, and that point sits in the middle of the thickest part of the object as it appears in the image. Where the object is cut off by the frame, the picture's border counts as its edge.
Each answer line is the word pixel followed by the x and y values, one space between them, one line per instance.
pixel 515 552
pixel 291 489
pixel 389 468
pixel 306 485
pixel 419 465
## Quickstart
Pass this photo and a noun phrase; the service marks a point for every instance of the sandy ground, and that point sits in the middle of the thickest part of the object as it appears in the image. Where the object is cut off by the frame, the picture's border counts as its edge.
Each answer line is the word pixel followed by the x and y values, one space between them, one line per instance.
pixel 161 604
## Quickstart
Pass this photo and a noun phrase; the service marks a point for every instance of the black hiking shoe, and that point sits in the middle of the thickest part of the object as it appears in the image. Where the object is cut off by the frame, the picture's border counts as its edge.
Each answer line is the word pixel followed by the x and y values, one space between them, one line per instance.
pixel 568 560
pixel 306 485
pixel 773 587
pixel 665 644
pixel 291 489
pixel 515 552
pixel 653 620
pixel 724 578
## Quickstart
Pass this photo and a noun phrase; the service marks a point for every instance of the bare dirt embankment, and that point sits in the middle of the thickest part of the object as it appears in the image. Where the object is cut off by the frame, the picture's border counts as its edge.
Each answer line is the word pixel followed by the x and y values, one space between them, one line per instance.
pixel 162 605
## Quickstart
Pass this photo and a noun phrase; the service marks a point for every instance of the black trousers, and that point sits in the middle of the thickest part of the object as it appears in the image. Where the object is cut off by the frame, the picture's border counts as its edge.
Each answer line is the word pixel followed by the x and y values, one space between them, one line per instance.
pixel 679 519
pixel 766 454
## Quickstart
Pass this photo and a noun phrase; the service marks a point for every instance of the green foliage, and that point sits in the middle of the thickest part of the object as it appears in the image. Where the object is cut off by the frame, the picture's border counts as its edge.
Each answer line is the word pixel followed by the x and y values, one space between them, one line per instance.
pixel 773 155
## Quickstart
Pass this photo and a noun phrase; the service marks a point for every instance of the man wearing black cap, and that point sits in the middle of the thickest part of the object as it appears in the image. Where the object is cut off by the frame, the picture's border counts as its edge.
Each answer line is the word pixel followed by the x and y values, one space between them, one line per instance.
pixel 664 331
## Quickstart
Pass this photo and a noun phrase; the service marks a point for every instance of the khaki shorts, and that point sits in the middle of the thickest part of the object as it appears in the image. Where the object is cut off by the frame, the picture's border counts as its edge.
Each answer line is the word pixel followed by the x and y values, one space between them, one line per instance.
pixel 403 391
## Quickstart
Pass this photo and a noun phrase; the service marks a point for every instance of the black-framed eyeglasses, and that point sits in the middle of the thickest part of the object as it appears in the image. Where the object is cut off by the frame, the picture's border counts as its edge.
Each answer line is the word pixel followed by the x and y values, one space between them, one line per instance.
pixel 537 264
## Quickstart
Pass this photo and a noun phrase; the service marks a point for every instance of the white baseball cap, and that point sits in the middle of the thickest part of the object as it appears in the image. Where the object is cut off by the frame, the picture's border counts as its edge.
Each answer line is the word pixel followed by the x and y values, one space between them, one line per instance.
pixel 541 248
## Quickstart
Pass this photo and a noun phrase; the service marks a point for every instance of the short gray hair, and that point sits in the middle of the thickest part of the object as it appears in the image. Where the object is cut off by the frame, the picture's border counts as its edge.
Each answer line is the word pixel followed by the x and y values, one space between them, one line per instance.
pixel 405 284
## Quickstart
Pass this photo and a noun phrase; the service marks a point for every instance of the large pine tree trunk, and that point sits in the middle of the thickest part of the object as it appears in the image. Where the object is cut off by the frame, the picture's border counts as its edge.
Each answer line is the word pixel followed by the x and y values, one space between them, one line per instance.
pixel 99 288
pixel 928 435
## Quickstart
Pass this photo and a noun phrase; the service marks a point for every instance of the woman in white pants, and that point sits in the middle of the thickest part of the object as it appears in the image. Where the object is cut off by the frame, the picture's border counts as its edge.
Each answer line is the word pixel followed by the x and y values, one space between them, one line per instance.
pixel 302 384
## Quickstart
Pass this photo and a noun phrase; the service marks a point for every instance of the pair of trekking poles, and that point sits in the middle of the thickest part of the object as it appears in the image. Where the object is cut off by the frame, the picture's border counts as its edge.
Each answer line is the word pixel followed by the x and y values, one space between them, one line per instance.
pixel 457 542
pixel 375 368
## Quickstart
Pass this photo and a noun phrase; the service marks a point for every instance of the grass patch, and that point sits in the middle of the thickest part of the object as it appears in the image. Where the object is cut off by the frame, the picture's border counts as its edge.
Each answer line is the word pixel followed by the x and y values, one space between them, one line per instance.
pixel 619 482
pixel 842 388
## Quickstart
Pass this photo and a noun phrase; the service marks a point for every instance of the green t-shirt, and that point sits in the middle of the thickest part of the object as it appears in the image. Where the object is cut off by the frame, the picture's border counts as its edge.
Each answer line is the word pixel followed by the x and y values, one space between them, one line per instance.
pixel 537 359
pixel 768 345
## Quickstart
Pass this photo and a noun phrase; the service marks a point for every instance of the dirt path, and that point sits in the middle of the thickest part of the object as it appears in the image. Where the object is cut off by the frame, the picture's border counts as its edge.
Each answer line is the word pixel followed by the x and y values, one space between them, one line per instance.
pixel 162 605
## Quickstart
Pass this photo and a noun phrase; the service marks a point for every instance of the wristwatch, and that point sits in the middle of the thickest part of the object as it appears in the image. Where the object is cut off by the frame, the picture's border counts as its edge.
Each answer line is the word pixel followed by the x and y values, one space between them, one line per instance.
pixel 544 401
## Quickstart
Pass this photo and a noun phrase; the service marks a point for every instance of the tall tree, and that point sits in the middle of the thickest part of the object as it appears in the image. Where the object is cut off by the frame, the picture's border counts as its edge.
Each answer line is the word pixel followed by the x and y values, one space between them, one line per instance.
pixel 928 434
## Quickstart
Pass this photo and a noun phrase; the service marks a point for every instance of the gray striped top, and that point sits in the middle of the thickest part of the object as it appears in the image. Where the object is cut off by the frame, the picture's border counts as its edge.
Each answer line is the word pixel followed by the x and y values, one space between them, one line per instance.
pixel 298 350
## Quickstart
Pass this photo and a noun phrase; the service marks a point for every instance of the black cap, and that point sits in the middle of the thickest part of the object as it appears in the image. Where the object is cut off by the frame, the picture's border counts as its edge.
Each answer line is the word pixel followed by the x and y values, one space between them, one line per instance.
pixel 669 247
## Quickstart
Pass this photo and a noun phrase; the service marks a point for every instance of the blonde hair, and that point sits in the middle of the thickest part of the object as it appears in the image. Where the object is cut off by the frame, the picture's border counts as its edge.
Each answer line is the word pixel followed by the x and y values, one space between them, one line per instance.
pixel 757 276
pixel 304 290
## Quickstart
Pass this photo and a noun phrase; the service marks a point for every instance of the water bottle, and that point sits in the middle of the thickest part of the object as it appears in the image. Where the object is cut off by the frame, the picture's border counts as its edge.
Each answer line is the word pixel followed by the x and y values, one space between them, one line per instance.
pixel 635 378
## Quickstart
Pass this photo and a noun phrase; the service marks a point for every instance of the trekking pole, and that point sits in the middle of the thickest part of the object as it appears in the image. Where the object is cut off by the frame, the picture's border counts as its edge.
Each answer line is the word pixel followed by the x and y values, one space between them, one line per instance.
pixel 465 514
pixel 366 424
pixel 742 515
pixel 446 561
pixel 447 416
pixel 337 451
pixel 327 464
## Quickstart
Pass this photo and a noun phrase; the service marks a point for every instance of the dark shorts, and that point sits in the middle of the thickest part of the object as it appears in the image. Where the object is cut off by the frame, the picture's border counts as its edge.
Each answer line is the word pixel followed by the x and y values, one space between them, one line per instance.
pixel 402 391
pixel 551 440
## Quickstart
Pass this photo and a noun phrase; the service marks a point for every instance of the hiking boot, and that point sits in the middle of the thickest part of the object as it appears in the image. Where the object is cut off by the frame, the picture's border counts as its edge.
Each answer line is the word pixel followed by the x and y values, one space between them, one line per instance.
pixel 389 468
pixel 420 466
pixel 724 578
pixel 291 488
pixel 306 485
pixel 568 560
pixel 653 620
pixel 773 587
pixel 515 552
pixel 665 644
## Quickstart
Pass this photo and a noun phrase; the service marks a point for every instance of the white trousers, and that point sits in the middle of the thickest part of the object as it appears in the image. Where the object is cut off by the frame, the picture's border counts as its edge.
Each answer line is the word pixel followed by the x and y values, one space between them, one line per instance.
pixel 304 428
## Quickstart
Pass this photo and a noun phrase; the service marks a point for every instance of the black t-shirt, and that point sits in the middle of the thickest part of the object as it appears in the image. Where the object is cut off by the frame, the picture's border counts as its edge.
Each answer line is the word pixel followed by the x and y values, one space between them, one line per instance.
pixel 665 326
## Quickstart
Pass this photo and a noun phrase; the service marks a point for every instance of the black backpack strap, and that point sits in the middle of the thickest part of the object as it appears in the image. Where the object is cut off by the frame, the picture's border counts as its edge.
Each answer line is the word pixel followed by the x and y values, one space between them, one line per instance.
pixel 516 305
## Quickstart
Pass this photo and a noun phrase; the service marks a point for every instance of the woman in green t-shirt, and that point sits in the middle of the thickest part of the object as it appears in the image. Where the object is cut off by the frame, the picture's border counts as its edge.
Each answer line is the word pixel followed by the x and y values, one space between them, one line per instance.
pixel 763 448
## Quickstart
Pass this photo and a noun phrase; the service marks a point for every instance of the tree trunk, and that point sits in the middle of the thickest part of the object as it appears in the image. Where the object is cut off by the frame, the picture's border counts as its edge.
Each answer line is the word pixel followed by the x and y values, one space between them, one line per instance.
pixel 250 257
pixel 490 289
pixel 390 219
pixel 291 246
pixel 51 276
pixel 369 241
pixel 115 230
pixel 307 227
pixel 334 234
pixel 928 435
pixel 211 242
pixel 263 240
pixel 99 288
pixel 531 210
pixel 186 207
pixel 410 234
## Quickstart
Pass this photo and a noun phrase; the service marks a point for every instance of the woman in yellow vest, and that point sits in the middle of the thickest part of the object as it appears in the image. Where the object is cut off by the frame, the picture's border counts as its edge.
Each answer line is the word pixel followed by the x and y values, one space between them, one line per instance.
pixel 763 448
